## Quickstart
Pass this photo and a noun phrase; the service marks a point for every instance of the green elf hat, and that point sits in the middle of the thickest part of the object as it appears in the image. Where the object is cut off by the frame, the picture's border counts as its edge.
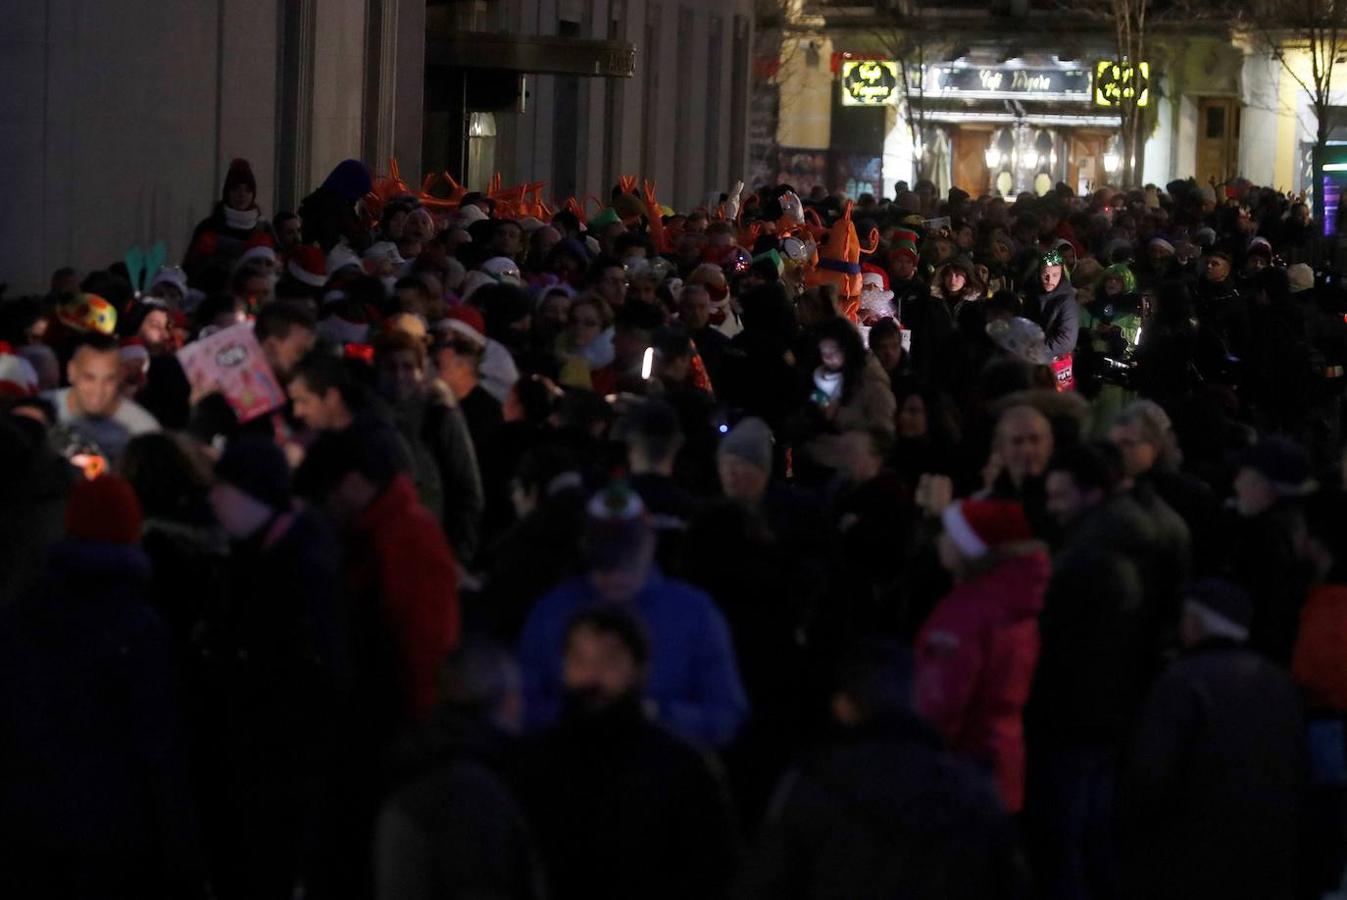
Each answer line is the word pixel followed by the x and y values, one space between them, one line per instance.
pixel 1051 258
pixel 605 218
pixel 1123 273
pixel 1054 258
pixel 774 258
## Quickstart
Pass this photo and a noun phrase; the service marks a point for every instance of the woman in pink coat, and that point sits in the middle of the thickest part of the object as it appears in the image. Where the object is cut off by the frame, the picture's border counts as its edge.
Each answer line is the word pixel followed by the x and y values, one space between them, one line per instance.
pixel 977 652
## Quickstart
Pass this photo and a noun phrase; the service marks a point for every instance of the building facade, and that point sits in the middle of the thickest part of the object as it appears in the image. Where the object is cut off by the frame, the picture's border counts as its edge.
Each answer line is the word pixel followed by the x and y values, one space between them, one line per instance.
pixel 120 119
pixel 1013 97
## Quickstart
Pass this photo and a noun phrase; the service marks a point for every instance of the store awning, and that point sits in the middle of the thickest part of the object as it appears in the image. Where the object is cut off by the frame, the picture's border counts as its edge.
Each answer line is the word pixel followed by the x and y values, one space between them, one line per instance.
pixel 534 54
pixel 996 117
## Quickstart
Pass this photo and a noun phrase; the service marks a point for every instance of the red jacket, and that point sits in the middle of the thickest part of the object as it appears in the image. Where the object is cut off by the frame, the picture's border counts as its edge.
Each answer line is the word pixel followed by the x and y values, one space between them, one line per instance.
pixel 1319 663
pixel 975 664
pixel 413 569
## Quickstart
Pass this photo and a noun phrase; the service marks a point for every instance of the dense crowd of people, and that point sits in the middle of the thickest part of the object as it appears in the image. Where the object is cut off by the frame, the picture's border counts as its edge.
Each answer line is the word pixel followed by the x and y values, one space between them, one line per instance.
pixel 928 547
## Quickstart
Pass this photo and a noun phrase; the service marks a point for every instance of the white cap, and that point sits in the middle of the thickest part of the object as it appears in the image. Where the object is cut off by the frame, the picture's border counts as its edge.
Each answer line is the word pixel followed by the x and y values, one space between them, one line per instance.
pixel 171 275
pixel 339 257
pixel 470 213
pixel 385 251
pixel 476 279
pixel 503 269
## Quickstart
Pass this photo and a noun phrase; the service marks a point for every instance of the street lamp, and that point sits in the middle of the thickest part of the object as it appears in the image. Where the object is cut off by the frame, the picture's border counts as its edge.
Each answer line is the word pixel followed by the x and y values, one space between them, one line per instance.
pixel 993 158
pixel 1111 162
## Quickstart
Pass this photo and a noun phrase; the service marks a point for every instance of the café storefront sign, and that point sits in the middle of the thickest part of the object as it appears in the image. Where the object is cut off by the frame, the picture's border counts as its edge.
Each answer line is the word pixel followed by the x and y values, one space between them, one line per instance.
pixel 1114 81
pixel 873 82
pixel 1003 83
pixel 870 82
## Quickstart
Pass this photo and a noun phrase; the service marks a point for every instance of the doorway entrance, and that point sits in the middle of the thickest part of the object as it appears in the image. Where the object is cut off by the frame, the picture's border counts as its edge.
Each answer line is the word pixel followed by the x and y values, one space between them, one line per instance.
pixel 970 159
pixel 1085 162
pixel 1217 139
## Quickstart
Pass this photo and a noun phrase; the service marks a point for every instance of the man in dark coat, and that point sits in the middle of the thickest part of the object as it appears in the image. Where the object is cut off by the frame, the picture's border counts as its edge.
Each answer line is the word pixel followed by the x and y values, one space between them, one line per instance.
pixel 453 827
pixel 623 808
pixel 1091 675
pixel 1053 306
pixel 95 801
pixel 885 811
pixel 269 670
pixel 1151 458
pixel 694 311
pixel 1271 482
pixel 1211 792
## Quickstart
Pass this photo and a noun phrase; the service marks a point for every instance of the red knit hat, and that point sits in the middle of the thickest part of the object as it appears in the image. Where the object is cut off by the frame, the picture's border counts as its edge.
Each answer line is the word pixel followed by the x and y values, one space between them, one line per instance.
pixel 308 265
pixel 105 509
pixel 240 172
pixel 466 321
pixel 978 526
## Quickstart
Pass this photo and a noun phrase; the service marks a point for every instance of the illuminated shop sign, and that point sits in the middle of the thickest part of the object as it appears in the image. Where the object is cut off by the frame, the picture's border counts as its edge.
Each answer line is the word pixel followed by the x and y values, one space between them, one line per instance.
pixel 869 82
pixel 998 83
pixel 1114 81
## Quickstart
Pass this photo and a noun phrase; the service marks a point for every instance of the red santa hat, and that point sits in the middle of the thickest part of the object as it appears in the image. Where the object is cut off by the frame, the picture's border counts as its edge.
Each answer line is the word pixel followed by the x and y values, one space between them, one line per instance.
pixel 467 322
pixel 18 378
pixel 133 350
pixel 980 526
pixel 308 265
pixel 872 274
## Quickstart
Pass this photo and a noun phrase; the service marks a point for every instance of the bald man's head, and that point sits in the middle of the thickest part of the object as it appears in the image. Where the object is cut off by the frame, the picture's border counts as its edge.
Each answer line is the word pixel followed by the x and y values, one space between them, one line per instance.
pixel 1024 442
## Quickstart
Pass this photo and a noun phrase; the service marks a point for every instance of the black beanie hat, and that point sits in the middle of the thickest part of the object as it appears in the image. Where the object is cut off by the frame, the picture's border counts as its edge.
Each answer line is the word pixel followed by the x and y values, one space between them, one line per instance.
pixel 240 172
pixel 257 467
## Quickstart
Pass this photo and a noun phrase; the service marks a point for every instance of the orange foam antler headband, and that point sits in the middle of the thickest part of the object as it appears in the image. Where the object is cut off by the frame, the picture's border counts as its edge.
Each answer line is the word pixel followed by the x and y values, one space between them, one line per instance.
pixel 874 242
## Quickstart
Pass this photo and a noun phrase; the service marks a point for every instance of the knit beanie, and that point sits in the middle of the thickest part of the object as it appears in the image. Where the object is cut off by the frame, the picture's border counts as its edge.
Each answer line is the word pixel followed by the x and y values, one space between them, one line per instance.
pixel 240 173
pixel 258 468
pixel 616 527
pixel 105 509
pixel 1283 462
pixel 980 526
pixel 751 441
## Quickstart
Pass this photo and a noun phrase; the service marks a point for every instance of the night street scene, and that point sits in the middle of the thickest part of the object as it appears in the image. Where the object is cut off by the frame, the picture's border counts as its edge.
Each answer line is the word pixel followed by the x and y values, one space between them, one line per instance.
pixel 673 449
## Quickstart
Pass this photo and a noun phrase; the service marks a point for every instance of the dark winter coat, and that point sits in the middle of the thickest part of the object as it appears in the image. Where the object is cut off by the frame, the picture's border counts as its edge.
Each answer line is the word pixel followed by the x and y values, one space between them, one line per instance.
pixel 263 677
pixel 949 342
pixel 34 484
pixel 215 242
pixel 623 809
pixel 94 800
pixel 1094 656
pixel 1263 558
pixel 886 813
pixel 1058 315
pixel 444 467
pixel 528 560
pixel 1210 794
pixel 454 828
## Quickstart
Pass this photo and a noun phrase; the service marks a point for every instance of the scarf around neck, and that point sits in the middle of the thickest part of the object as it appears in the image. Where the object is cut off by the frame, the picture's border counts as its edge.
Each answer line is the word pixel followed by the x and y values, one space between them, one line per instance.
pixel 242 219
